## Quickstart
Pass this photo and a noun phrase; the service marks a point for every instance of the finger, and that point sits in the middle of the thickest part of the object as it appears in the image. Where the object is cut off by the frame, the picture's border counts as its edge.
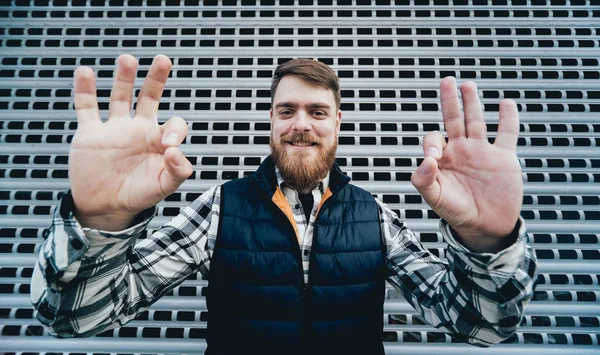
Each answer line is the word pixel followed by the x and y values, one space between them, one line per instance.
pixel 508 125
pixel 152 89
pixel 120 96
pixel 425 180
pixel 453 118
pixel 178 169
pixel 474 120
pixel 86 101
pixel 174 132
pixel 433 144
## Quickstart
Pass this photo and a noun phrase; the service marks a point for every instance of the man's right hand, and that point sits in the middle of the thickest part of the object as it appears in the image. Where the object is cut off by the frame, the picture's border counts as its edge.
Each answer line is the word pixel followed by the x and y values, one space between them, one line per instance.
pixel 125 165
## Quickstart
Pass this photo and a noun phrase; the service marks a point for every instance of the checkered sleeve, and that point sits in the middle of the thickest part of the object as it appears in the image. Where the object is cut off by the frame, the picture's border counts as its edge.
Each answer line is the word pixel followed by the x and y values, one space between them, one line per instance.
pixel 478 298
pixel 86 281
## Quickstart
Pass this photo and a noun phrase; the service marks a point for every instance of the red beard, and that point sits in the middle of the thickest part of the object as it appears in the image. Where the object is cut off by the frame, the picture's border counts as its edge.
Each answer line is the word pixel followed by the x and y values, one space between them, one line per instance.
pixel 300 171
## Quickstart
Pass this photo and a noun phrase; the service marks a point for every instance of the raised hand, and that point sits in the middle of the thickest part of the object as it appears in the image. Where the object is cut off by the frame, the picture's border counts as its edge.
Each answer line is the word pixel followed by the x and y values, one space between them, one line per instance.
pixel 475 186
pixel 122 166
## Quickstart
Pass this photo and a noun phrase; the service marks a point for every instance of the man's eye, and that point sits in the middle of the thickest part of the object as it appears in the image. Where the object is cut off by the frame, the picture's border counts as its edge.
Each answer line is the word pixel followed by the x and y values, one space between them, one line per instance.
pixel 285 112
pixel 319 113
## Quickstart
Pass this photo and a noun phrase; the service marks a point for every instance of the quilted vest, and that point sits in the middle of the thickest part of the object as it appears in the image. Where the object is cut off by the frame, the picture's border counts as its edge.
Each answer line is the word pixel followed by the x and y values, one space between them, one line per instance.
pixel 257 299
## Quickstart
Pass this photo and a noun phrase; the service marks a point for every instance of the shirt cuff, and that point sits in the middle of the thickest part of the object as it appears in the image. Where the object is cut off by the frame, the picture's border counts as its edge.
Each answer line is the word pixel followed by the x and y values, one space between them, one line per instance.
pixel 88 242
pixel 506 261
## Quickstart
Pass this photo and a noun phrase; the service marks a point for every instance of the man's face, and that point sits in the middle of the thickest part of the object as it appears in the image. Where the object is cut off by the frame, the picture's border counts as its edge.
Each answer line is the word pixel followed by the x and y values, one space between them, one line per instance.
pixel 305 122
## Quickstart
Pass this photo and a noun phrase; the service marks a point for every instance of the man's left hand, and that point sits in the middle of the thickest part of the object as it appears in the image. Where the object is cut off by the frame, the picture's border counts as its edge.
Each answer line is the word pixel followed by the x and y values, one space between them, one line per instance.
pixel 475 186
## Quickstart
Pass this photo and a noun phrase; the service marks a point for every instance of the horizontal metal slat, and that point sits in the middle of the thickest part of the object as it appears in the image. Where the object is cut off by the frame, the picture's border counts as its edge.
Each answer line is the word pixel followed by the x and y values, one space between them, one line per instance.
pixel 181 346
pixel 348 116
pixel 343 151
pixel 392 306
pixel 345 83
pixel 312 52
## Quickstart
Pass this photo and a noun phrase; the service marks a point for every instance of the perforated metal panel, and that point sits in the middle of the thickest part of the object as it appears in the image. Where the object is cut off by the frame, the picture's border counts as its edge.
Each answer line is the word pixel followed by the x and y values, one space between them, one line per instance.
pixel 390 56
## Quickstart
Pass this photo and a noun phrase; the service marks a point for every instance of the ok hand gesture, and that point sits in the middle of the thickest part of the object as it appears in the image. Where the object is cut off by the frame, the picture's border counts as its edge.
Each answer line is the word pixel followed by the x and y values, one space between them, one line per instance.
pixel 122 166
pixel 475 186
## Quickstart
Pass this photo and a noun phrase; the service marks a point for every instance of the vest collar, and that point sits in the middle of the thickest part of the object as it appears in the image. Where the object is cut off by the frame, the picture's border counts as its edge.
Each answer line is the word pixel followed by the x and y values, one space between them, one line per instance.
pixel 266 178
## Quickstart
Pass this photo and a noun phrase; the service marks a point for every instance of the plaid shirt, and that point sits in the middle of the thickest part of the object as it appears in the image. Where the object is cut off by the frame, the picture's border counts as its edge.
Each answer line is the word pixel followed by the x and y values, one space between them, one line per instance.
pixel 100 280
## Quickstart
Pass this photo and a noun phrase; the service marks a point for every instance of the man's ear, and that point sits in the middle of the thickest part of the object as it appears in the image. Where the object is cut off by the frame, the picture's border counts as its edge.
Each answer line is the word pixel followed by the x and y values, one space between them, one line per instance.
pixel 271 114
pixel 339 121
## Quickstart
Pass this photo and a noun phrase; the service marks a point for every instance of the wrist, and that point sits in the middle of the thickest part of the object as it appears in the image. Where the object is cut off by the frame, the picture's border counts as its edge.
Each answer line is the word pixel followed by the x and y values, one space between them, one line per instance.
pixel 107 222
pixel 481 243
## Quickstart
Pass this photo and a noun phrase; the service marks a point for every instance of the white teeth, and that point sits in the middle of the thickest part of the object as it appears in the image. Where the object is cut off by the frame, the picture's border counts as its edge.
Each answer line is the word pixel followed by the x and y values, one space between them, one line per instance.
pixel 302 144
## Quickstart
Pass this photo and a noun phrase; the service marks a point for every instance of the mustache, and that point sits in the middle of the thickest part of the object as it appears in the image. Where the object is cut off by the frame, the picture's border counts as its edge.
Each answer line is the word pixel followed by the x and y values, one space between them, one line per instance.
pixel 300 138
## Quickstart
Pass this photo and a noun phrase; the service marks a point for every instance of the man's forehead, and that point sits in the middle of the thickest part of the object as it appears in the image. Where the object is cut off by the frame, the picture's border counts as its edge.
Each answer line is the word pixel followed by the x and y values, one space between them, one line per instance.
pixel 294 89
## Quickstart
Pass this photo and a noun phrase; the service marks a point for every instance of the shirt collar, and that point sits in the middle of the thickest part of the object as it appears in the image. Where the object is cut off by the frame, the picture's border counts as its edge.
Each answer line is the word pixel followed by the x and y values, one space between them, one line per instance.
pixel 323 185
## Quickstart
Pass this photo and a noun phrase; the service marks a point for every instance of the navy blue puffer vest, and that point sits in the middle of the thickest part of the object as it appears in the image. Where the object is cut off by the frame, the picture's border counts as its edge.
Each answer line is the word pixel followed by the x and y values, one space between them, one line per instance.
pixel 257 299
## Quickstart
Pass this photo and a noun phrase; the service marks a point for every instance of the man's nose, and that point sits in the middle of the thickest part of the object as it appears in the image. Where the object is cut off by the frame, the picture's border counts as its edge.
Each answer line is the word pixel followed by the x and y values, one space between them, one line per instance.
pixel 302 122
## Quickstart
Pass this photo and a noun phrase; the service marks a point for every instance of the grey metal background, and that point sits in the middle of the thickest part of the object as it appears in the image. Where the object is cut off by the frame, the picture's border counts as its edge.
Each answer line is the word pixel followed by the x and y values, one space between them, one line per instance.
pixel 390 56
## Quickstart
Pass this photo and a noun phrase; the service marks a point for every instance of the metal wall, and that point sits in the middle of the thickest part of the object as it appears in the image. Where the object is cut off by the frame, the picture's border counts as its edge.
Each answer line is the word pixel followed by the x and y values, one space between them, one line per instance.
pixel 390 56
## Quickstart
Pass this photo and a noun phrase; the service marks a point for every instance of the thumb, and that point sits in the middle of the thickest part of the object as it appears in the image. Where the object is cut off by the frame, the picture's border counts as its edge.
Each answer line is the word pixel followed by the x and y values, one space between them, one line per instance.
pixel 178 169
pixel 425 180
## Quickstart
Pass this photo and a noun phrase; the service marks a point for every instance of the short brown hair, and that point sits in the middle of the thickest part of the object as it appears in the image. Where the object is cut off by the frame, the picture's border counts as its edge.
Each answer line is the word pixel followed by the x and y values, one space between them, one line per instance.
pixel 310 70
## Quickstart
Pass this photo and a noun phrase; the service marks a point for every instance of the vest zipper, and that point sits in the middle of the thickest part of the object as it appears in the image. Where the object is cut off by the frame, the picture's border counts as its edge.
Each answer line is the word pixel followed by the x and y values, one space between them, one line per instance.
pixel 282 214
pixel 298 251
pixel 304 296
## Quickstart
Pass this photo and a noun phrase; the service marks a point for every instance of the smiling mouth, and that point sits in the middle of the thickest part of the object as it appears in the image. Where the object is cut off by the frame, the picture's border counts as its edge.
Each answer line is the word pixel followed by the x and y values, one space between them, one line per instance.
pixel 302 144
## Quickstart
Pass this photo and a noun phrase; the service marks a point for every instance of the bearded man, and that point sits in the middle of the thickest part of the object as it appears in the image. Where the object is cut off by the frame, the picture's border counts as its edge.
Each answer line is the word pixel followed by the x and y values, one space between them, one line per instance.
pixel 296 257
